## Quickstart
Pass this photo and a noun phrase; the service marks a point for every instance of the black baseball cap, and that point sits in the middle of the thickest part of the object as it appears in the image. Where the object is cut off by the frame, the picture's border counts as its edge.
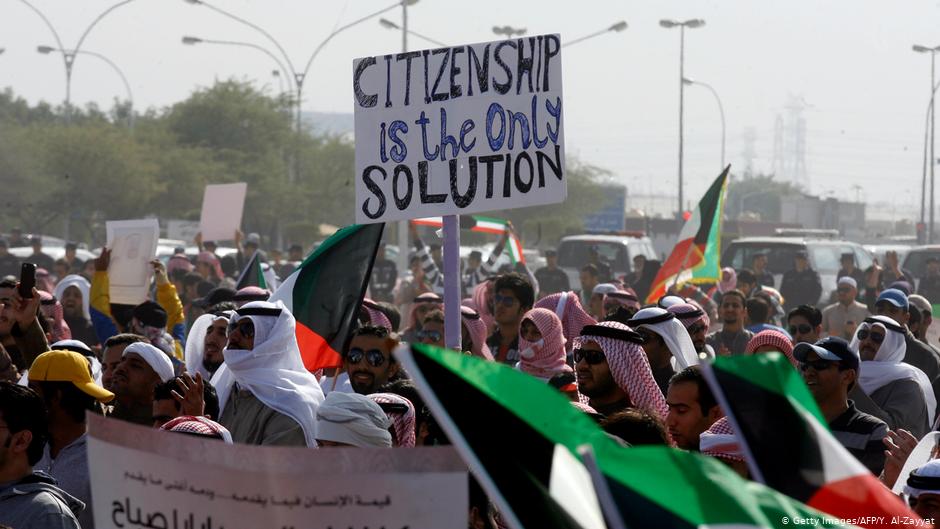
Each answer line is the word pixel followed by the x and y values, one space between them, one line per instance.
pixel 831 348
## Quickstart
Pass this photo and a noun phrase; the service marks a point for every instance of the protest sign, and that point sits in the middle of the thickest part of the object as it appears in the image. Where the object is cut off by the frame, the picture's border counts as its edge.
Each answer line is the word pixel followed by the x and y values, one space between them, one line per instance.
pixel 141 477
pixel 459 130
pixel 133 245
pixel 222 207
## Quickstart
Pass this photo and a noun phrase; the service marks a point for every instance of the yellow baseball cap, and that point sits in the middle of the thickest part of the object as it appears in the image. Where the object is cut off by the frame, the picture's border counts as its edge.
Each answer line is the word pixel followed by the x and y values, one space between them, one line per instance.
pixel 68 366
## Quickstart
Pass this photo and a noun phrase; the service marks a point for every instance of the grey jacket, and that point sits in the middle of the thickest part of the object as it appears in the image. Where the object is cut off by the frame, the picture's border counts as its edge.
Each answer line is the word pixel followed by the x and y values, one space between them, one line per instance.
pixel 35 502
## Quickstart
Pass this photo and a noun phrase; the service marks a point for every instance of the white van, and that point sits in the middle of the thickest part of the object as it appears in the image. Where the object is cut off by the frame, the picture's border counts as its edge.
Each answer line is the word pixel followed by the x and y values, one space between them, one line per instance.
pixel 617 251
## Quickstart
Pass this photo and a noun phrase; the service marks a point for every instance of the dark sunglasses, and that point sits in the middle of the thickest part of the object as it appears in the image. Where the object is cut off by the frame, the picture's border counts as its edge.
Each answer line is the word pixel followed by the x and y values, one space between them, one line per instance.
pixel 697 328
pixel 876 337
pixel 817 365
pixel 802 328
pixel 246 328
pixel 506 301
pixel 374 357
pixel 592 357
pixel 434 336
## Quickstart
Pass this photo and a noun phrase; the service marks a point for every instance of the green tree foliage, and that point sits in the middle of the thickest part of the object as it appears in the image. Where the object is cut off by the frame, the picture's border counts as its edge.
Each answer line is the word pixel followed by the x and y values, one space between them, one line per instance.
pixel 115 165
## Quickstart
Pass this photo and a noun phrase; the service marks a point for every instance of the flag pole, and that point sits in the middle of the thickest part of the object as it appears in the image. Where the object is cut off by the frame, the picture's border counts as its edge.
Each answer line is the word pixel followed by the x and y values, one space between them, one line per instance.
pixel 452 332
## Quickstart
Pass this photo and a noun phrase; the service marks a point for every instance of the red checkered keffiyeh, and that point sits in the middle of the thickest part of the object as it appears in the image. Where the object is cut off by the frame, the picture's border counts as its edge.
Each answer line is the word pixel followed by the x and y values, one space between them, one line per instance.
pixel 476 328
pixel 688 314
pixel 567 306
pixel 377 318
pixel 719 440
pixel 630 369
pixel 194 425
pixel 775 339
pixel 52 308
pixel 544 360
pixel 402 423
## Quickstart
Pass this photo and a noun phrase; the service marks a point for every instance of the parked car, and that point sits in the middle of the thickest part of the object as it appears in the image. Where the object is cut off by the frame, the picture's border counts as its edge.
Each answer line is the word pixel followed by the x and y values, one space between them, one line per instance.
pixel 916 259
pixel 617 251
pixel 824 256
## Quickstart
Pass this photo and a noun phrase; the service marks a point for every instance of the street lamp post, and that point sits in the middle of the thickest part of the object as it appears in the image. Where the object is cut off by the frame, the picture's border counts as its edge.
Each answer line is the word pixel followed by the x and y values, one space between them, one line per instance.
pixel 386 23
pixel 619 26
pixel 45 50
pixel 508 31
pixel 68 56
pixel 691 24
pixel 933 160
pixel 923 182
pixel 721 112
pixel 299 76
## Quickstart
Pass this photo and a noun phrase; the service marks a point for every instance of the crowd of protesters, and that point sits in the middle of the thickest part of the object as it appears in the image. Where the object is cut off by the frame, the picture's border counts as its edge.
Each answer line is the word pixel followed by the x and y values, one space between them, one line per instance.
pixel 202 358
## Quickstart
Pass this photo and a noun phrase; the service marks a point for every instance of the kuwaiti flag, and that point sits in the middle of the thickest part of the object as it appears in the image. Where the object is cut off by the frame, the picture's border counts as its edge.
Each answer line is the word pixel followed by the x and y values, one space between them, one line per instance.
pixel 252 275
pixel 521 439
pixel 788 445
pixel 696 255
pixel 325 292
pixel 482 224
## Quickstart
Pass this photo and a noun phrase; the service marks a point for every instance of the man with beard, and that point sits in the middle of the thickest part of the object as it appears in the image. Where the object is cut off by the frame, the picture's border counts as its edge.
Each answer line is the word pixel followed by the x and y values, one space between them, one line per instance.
pixel 900 394
pixel 368 362
pixel 613 371
pixel 267 396
pixel 894 304
pixel 142 367
pixel 206 340
pixel 733 337
pixel 73 292
pixel 113 354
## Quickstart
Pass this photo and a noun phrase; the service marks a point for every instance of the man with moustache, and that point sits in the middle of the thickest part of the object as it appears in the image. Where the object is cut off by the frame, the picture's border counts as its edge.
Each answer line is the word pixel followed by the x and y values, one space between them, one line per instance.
pixel 368 361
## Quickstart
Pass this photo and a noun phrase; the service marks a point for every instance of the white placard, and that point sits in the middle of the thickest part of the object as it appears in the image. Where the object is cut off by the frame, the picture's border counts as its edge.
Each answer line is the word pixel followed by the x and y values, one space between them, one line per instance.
pixel 133 245
pixel 222 207
pixel 182 230
pixel 170 480
pixel 457 130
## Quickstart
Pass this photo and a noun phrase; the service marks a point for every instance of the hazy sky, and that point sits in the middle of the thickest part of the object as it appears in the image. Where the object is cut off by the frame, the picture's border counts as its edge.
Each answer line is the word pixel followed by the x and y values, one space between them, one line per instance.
pixel 851 61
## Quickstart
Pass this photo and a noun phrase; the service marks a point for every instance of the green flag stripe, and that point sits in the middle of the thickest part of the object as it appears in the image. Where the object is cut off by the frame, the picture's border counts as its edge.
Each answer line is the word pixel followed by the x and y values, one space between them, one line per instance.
pixel 551 414
pixel 772 372
pixel 516 456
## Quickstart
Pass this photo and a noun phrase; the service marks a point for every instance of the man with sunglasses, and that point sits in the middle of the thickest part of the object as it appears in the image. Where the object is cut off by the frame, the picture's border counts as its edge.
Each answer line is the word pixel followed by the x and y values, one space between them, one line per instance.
pixel 805 324
pixel 513 296
pixel 897 393
pixel 368 362
pixel 830 370
pixel 842 317
pixel 894 304
pixel 432 329
pixel 266 395
pixel 613 371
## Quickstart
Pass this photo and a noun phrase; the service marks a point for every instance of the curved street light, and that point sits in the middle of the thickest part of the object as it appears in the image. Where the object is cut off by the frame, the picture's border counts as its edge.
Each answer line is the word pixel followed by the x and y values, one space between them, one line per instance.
pixel 721 112
pixel 189 40
pixel 68 56
pixel 933 161
pixel 618 27
pixel 691 24
pixel 386 23
pixel 45 50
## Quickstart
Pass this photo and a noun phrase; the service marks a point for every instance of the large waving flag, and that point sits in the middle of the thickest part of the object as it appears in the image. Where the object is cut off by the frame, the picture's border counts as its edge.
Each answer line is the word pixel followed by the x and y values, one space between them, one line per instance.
pixel 788 445
pixel 696 256
pixel 482 224
pixel 533 471
pixel 325 292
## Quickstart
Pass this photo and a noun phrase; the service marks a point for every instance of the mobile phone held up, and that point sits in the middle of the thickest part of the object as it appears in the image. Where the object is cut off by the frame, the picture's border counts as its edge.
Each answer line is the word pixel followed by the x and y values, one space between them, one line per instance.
pixel 27 280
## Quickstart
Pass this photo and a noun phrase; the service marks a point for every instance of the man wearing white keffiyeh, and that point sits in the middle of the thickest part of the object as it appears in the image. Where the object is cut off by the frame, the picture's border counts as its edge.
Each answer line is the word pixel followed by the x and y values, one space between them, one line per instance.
pixel 900 394
pixel 266 395
pixel 666 342
pixel 613 371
